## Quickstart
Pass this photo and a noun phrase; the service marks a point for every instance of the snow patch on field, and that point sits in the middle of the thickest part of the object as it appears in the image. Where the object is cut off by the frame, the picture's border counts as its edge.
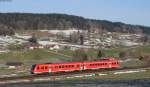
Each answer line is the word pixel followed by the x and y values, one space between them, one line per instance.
pixel 40 79
pixel 131 71
pixel 101 74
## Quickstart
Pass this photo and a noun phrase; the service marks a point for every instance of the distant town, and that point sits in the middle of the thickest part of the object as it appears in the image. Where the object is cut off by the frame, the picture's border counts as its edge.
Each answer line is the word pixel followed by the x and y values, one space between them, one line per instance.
pixel 73 39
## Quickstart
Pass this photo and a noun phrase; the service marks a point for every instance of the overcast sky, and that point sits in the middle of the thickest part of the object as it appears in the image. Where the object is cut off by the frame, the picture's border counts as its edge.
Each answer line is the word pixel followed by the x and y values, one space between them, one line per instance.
pixel 128 11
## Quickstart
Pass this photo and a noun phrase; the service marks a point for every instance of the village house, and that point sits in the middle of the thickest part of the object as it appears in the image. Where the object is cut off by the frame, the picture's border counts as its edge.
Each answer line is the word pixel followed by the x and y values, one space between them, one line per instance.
pixel 14 65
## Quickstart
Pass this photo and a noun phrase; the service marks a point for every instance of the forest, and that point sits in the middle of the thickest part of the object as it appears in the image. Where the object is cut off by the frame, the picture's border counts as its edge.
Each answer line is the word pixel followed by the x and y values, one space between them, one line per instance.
pixel 9 22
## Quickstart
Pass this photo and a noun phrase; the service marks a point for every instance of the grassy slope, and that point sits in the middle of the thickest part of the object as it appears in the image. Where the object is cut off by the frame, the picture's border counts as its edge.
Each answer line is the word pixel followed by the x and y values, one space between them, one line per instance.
pixel 44 55
pixel 111 76
pixel 37 55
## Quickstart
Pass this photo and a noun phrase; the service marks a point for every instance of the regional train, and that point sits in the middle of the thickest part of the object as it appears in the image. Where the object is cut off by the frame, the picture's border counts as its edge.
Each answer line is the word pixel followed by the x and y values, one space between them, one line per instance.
pixel 106 63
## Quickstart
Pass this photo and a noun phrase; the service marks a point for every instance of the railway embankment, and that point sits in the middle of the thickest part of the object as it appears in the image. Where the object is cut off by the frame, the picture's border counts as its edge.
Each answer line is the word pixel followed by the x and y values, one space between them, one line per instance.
pixel 119 74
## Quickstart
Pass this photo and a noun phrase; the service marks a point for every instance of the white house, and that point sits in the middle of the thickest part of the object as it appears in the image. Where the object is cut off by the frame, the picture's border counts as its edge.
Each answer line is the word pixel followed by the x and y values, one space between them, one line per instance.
pixel 67 32
pixel 55 47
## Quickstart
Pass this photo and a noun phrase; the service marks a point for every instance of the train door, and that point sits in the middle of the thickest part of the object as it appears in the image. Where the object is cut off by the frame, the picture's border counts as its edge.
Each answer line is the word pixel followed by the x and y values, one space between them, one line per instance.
pixel 110 65
pixel 50 69
pixel 81 66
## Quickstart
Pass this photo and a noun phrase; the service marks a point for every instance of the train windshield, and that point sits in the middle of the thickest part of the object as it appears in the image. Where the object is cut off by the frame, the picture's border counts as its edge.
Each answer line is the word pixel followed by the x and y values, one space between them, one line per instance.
pixel 33 66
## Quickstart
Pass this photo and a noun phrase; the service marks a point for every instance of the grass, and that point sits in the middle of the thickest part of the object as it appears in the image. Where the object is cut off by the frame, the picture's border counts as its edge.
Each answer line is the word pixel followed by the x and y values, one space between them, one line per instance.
pixel 111 76
pixel 37 55
pixel 93 52
pixel 7 71
pixel 145 49
pixel 44 55
pixel 134 63
pixel 30 57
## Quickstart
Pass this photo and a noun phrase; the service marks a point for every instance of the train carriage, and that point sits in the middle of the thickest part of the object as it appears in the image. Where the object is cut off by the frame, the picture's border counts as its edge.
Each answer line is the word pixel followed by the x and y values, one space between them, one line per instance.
pixel 56 67
pixel 74 66
pixel 104 63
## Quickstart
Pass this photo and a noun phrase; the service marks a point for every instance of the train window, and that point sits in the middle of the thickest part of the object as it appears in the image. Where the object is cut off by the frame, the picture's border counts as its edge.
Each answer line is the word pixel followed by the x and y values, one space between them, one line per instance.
pixel 72 65
pixel 77 65
pixel 62 66
pixel 46 67
pixel 59 66
pixel 38 67
pixel 42 67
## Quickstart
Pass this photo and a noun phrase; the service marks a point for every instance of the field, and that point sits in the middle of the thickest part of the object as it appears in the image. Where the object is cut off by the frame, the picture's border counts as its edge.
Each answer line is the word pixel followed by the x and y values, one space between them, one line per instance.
pixel 29 57
pixel 37 55
pixel 110 76
pixel 45 55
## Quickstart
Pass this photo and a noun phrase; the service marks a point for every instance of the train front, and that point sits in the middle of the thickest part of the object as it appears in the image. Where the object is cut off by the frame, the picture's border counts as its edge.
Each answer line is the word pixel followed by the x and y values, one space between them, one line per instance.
pixel 33 68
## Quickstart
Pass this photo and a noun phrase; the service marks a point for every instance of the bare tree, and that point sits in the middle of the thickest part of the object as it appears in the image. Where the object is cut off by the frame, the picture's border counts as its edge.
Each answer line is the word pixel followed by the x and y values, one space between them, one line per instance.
pixel 81 39
pixel 33 39
pixel 80 55
pixel 100 54
pixel 60 35
pixel 74 37
pixel 123 55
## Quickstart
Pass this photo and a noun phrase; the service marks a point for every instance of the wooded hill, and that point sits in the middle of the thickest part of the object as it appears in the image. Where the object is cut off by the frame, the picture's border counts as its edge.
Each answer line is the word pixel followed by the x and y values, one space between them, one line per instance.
pixel 9 22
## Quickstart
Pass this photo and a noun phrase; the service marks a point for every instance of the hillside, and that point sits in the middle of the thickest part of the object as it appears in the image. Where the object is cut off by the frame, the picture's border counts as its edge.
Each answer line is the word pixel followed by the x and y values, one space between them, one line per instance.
pixel 9 22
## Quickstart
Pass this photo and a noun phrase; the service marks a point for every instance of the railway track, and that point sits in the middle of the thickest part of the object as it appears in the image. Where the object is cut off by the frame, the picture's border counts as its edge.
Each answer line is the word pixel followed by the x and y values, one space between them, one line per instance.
pixel 64 74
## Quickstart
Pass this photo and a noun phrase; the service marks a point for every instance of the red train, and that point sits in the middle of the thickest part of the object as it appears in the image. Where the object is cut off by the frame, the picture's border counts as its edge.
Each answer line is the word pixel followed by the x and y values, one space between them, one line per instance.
pixel 74 66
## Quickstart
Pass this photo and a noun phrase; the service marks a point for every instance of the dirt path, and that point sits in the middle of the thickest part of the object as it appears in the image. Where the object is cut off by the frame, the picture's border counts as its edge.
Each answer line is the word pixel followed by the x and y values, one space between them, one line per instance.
pixel 60 54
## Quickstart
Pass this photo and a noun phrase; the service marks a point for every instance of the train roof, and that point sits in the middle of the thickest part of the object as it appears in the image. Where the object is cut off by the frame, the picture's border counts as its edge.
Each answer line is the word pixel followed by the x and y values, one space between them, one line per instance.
pixel 101 60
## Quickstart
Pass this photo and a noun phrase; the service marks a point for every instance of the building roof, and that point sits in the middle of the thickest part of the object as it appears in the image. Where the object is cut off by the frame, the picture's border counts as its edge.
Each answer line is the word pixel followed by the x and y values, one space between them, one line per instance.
pixel 14 63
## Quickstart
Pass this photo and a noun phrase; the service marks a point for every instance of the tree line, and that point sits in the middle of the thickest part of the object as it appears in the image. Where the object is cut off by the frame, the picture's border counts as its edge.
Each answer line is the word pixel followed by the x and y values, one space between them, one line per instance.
pixel 9 22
